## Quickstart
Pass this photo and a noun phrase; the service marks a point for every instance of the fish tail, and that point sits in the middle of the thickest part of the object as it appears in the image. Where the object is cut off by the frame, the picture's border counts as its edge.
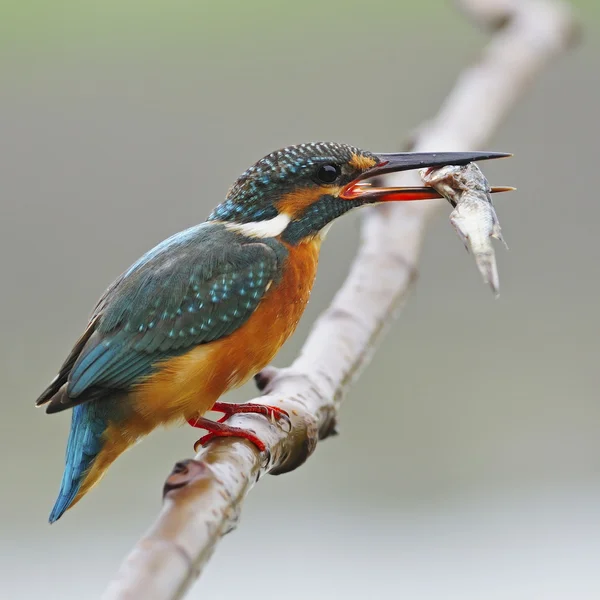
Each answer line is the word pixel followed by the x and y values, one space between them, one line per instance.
pixel 90 451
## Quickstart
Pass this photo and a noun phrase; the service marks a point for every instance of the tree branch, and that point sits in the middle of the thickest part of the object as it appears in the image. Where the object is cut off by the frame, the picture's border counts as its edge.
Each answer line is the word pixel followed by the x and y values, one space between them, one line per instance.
pixel 203 496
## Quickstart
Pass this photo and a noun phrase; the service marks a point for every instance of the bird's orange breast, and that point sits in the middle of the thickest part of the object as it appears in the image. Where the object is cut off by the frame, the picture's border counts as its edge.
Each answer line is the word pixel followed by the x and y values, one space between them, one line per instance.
pixel 188 385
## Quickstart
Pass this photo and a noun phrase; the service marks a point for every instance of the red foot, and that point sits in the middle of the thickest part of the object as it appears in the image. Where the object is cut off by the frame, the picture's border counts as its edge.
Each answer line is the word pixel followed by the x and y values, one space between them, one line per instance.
pixel 271 412
pixel 219 429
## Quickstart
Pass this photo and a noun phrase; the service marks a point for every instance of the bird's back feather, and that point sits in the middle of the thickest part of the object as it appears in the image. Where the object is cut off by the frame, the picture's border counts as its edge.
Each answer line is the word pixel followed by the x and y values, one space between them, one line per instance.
pixel 196 287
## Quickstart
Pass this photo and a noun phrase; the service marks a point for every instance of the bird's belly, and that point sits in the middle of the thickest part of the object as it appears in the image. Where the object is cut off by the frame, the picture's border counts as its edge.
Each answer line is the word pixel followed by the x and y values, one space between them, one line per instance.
pixel 188 385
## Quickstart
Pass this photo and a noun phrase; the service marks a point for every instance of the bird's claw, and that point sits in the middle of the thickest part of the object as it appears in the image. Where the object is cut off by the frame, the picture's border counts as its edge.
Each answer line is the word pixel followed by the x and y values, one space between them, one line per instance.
pixel 225 431
pixel 276 415
pixel 220 429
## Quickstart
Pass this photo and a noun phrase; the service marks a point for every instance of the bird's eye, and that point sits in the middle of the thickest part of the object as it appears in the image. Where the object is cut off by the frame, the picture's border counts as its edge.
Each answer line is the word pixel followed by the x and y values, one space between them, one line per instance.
pixel 328 173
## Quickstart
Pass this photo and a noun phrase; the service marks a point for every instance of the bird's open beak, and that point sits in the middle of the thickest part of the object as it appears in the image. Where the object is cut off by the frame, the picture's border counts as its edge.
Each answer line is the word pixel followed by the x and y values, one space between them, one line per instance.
pixel 361 189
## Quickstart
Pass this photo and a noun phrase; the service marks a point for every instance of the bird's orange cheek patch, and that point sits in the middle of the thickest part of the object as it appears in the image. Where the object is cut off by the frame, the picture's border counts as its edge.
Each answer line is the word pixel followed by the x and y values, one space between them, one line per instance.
pixel 362 163
pixel 296 202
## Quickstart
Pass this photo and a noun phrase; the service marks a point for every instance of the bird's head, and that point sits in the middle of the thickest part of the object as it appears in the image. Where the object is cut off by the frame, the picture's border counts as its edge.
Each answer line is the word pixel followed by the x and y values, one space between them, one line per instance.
pixel 297 191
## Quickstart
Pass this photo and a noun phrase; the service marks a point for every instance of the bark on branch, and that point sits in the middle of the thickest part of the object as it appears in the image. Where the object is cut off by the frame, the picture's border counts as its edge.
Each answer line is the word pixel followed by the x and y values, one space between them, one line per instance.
pixel 203 496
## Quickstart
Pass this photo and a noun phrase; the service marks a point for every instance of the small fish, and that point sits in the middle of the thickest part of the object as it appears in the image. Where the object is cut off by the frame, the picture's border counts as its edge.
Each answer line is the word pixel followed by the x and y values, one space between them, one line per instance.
pixel 473 217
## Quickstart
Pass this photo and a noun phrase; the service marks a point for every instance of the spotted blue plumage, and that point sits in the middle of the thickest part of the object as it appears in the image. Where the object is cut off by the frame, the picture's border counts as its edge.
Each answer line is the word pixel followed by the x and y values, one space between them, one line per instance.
pixel 196 287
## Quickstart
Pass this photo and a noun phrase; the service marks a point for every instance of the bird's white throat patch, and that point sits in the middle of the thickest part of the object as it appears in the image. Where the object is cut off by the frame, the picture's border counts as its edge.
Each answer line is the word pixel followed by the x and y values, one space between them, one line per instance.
pixel 262 229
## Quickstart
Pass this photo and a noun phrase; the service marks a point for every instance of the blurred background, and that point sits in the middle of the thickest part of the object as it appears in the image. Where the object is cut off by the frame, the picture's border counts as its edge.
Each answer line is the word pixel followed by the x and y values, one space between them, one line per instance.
pixel 468 464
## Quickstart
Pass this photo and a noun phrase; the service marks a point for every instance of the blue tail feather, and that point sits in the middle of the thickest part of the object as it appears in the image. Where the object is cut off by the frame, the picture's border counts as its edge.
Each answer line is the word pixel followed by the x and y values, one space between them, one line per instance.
pixel 85 442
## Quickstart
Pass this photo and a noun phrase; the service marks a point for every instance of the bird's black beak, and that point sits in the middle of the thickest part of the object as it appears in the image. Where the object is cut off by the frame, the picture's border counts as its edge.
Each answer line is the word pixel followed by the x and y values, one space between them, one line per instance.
pixel 361 189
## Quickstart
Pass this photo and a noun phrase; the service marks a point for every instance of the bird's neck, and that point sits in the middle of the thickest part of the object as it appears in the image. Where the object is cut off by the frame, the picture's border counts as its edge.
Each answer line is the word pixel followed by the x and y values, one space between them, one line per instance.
pixel 315 220
pixel 312 222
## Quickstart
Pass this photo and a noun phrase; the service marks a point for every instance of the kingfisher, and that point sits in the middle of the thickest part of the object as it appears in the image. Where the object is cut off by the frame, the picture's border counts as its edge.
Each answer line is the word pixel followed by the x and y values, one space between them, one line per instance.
pixel 209 307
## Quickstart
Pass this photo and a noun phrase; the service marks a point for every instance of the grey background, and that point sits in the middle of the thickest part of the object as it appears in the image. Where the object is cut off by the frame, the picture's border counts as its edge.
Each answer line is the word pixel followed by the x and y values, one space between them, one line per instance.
pixel 468 464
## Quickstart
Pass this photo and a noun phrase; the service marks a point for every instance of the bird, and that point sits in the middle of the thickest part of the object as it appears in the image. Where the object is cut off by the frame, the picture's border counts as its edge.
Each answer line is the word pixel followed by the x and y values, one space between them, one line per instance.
pixel 209 307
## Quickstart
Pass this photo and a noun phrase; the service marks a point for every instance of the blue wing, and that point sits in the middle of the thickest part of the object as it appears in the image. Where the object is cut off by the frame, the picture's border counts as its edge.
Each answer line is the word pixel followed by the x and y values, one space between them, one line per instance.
pixel 196 287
